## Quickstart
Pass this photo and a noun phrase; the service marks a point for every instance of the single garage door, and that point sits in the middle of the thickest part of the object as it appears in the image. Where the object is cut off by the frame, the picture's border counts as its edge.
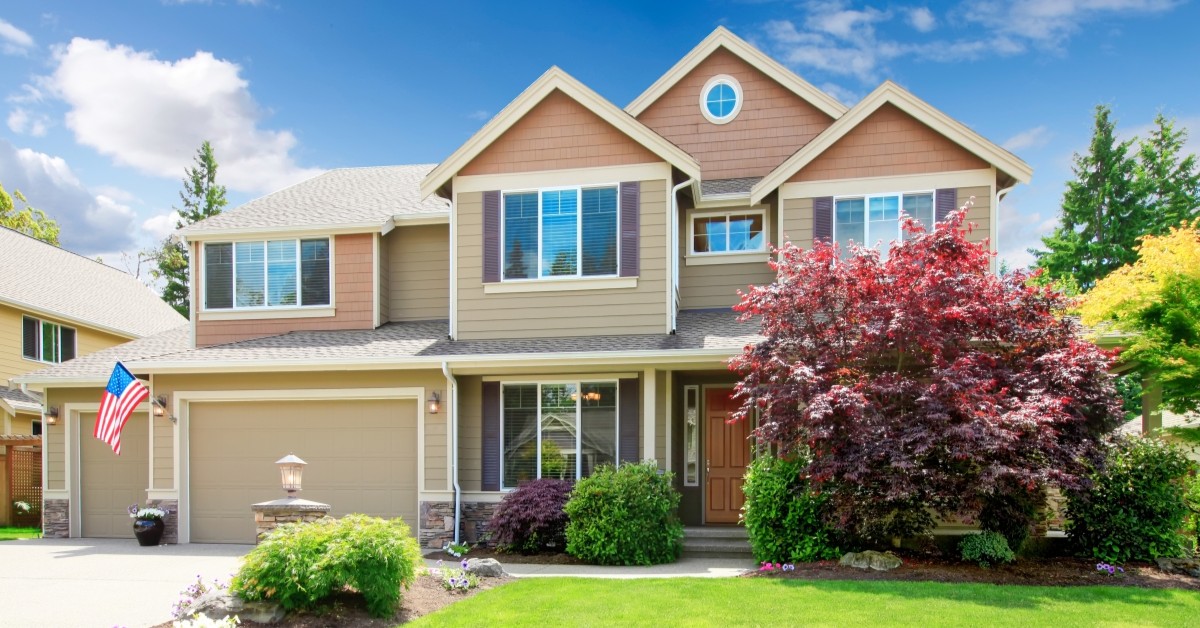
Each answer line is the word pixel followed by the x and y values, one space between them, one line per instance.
pixel 109 483
pixel 361 455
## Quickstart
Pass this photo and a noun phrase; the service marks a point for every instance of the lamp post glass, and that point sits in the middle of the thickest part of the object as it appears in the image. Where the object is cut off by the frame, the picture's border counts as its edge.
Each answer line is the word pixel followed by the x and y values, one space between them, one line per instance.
pixel 291 468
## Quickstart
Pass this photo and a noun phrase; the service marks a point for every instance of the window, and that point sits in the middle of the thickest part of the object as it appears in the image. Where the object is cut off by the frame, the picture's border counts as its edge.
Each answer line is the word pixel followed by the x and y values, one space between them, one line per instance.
pixel 721 99
pixel 560 232
pixel 561 430
pixel 728 232
pixel 36 428
pixel 691 436
pixel 271 273
pixel 871 219
pixel 46 342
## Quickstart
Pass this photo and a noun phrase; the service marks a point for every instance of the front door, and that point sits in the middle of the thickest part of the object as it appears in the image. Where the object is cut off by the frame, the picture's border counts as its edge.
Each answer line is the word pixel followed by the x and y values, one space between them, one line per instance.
pixel 727 453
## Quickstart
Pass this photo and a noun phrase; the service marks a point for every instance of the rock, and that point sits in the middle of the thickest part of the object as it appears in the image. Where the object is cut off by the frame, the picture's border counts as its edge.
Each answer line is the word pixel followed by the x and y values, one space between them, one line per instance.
pixel 217 605
pixel 870 559
pixel 1188 566
pixel 485 567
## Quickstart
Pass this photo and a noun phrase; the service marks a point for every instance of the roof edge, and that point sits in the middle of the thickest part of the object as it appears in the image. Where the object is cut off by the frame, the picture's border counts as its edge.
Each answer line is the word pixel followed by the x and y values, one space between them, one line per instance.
pixel 37 309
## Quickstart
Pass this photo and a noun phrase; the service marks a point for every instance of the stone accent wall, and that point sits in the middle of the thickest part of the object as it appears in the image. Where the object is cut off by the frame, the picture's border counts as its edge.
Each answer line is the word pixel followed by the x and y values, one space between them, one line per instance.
pixel 56 518
pixel 171 521
pixel 269 515
pixel 475 519
pixel 437 523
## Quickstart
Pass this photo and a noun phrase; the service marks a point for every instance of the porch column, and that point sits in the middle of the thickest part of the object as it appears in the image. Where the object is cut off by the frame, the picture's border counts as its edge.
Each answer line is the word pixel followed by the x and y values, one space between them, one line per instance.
pixel 1151 402
pixel 649 389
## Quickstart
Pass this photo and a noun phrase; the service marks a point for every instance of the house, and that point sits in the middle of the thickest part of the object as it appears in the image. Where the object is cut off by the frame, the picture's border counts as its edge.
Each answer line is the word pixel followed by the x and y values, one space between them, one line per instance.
pixel 54 306
pixel 553 295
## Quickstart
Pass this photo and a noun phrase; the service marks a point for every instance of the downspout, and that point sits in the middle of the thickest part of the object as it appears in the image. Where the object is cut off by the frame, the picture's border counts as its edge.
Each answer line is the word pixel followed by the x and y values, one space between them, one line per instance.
pixel 674 231
pixel 453 383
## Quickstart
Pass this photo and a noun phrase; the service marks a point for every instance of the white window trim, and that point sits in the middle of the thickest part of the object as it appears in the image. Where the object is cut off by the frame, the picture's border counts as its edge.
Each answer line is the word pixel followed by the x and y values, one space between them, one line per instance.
pixel 40 322
pixel 748 253
pixel 733 83
pixel 867 236
pixel 578 428
pixel 578 276
pixel 322 309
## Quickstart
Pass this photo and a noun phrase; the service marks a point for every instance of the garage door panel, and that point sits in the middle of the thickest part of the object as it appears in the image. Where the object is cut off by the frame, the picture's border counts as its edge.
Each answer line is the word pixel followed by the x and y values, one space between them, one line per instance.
pixel 109 483
pixel 361 457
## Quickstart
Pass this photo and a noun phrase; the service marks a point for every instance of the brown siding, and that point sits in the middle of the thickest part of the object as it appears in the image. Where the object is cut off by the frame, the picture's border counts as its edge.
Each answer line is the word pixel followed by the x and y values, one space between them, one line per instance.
pixel 558 133
pixel 385 281
pixel 13 363
pixel 888 142
pixel 419 272
pixel 640 310
pixel 353 300
pixel 773 123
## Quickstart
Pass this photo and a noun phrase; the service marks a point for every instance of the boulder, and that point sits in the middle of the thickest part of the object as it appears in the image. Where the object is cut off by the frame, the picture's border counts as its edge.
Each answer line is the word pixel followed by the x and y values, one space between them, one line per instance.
pixel 485 567
pixel 1188 566
pixel 217 605
pixel 870 559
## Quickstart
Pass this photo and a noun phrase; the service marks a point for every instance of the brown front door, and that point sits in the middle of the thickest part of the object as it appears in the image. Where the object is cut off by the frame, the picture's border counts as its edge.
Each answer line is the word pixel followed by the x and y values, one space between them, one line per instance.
pixel 728 452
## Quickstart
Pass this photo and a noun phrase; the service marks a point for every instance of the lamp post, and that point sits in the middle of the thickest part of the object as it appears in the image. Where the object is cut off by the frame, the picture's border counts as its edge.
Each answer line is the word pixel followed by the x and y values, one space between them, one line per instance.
pixel 291 468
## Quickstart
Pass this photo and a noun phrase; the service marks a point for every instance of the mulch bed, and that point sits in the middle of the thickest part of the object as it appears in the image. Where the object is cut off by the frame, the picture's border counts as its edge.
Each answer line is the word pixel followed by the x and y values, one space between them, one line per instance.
pixel 503 557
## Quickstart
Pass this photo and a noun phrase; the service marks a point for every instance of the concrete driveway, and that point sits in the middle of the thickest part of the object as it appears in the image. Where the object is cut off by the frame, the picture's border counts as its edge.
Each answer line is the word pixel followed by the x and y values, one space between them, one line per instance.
pixel 102 582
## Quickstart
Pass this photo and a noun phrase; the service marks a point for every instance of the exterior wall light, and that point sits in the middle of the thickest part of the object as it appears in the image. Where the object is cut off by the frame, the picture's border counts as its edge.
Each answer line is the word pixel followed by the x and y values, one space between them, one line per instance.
pixel 291 468
pixel 159 404
pixel 52 415
pixel 435 402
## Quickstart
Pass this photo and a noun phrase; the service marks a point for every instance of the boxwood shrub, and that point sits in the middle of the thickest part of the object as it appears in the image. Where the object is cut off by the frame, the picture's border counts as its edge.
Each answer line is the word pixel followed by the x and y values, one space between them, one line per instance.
pixel 785 521
pixel 532 518
pixel 986 548
pixel 625 515
pixel 300 564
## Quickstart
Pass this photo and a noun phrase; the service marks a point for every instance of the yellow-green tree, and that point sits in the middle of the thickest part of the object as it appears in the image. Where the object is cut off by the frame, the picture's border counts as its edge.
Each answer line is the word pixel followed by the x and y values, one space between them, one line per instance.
pixel 32 222
pixel 1156 301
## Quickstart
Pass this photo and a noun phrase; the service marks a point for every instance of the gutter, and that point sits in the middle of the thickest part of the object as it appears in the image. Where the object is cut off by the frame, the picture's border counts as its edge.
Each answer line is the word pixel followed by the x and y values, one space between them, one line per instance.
pixel 454 446
pixel 674 231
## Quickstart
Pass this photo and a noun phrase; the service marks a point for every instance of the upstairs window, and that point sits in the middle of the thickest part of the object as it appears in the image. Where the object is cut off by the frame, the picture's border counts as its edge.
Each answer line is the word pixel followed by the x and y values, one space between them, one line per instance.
pixel 560 233
pixel 46 342
pixel 721 99
pixel 875 219
pixel 729 232
pixel 266 274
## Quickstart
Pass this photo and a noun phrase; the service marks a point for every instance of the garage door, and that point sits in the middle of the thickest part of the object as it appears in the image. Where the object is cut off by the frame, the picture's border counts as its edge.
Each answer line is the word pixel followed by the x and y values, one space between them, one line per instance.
pixel 361 455
pixel 109 483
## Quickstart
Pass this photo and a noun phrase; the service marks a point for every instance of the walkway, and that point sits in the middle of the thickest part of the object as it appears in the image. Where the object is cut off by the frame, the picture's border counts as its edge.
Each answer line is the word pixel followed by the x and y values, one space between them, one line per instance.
pixel 684 568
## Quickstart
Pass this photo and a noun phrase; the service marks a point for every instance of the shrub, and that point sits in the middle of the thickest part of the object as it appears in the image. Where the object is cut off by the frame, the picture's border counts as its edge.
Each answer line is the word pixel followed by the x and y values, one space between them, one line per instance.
pixel 1134 507
pixel 786 521
pixel 986 548
pixel 301 563
pixel 1012 511
pixel 1191 498
pixel 531 519
pixel 625 515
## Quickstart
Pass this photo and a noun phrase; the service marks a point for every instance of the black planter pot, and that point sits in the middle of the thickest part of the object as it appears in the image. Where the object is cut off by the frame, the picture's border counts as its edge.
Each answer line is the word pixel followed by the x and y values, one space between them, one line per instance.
pixel 148 532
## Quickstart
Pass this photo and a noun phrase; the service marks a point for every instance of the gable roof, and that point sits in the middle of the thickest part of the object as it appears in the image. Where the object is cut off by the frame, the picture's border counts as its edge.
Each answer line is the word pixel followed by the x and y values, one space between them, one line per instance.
pixel 46 280
pixel 556 79
pixel 891 93
pixel 96 367
pixel 341 199
pixel 723 38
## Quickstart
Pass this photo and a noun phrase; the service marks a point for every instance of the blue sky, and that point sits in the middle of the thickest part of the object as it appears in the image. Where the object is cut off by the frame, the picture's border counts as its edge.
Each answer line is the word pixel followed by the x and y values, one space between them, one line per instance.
pixel 105 105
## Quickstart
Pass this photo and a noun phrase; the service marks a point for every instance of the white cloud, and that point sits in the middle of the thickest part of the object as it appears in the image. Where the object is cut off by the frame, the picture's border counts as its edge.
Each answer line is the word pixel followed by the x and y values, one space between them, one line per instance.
pixel 1022 228
pixel 153 114
pixel 21 121
pixel 1036 137
pixel 1047 23
pixel 162 225
pixel 922 19
pixel 479 114
pixel 845 96
pixel 14 41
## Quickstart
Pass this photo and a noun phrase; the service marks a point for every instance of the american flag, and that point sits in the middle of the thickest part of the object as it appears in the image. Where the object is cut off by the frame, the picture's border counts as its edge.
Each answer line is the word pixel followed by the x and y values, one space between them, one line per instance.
pixel 123 393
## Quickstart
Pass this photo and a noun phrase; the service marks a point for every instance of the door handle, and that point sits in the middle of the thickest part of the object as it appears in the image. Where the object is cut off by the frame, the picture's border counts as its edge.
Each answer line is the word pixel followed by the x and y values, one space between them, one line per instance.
pixel 707 466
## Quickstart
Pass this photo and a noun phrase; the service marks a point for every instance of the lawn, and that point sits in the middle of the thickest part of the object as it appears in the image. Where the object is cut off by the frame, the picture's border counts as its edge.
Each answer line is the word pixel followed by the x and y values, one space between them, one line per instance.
pixel 780 602
pixel 9 534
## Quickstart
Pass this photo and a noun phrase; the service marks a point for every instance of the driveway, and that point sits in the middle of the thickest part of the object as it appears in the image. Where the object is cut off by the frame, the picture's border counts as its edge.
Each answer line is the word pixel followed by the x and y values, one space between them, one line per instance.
pixel 102 582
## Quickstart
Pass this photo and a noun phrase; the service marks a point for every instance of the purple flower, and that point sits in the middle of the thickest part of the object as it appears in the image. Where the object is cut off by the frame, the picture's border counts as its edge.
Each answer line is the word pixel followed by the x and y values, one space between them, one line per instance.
pixel 464 563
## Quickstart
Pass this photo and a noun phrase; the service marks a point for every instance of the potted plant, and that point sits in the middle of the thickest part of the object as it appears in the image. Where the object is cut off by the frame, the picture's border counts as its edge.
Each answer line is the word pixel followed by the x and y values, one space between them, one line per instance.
pixel 147 524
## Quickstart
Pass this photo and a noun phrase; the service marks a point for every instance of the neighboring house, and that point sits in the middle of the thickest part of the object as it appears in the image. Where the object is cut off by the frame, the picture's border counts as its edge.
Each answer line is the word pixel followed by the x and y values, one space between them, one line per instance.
pixel 54 306
pixel 552 296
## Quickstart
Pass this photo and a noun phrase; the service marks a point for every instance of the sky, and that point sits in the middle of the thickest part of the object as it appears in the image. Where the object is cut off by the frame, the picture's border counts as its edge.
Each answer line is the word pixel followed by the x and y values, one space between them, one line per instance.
pixel 105 104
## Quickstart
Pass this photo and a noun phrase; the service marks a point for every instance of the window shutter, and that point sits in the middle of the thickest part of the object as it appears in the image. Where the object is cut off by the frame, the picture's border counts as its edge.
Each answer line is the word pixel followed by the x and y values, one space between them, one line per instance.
pixel 29 332
pixel 491 248
pixel 630 207
pixel 823 218
pixel 491 436
pixel 629 419
pixel 946 201
pixel 67 346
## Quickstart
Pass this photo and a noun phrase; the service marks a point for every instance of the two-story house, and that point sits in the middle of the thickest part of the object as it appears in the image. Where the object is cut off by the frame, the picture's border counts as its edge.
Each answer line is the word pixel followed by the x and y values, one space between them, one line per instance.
pixel 56 305
pixel 553 296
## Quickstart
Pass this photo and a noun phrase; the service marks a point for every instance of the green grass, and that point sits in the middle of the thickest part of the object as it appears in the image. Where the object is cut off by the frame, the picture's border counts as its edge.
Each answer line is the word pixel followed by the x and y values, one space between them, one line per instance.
pixel 779 602
pixel 9 534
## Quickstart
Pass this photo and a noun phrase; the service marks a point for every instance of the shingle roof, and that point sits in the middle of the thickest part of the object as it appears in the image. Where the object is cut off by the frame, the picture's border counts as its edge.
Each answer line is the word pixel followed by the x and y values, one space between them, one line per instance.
pixel 723 187
pixel 40 276
pixel 341 197
pixel 20 400
pixel 99 365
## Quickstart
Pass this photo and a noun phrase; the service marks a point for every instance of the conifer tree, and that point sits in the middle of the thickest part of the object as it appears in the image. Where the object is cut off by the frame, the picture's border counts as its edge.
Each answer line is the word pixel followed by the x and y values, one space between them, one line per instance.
pixel 202 198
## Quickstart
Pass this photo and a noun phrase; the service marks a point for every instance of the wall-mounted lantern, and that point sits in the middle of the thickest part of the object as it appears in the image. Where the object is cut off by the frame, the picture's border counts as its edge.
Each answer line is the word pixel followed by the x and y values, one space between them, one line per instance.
pixel 291 468
pixel 435 402
pixel 52 415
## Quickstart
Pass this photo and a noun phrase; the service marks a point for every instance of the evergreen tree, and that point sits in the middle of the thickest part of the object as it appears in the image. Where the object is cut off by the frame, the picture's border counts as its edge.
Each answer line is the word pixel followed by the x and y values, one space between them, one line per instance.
pixel 202 198
pixel 32 222
pixel 1168 182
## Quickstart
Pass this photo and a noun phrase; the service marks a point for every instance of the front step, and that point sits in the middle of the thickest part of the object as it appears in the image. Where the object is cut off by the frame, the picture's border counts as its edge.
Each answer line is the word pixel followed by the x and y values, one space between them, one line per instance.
pixel 716 542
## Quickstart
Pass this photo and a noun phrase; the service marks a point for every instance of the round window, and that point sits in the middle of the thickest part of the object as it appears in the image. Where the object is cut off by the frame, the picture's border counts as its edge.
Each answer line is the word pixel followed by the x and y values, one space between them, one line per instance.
pixel 721 99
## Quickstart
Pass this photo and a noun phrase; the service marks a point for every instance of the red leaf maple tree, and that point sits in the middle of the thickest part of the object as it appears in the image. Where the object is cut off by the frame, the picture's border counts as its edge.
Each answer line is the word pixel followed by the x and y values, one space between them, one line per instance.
pixel 921 384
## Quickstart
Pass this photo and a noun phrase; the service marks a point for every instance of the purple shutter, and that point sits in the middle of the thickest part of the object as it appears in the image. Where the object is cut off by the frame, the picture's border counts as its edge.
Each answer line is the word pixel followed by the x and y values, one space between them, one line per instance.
pixel 491 237
pixel 630 205
pixel 628 420
pixel 823 218
pixel 945 201
pixel 491 436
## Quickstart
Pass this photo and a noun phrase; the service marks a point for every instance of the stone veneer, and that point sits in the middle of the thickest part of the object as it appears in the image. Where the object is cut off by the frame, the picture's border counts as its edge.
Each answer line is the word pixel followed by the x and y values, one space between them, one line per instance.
pixel 170 522
pixel 437 523
pixel 269 515
pixel 56 518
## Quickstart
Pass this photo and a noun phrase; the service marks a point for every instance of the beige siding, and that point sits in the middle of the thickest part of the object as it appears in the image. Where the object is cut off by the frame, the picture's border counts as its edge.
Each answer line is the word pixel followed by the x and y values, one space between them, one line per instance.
pixel 13 363
pixel 709 286
pixel 470 433
pixel 419 273
pixel 660 418
pixel 385 280
pixel 164 454
pixel 798 221
pixel 54 436
pixel 436 461
pixel 980 213
pixel 640 310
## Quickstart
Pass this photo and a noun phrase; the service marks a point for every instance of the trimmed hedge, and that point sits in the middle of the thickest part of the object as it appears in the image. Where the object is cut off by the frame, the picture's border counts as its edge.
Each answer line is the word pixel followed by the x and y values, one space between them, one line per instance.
pixel 785 521
pixel 532 518
pixel 986 548
pixel 625 515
